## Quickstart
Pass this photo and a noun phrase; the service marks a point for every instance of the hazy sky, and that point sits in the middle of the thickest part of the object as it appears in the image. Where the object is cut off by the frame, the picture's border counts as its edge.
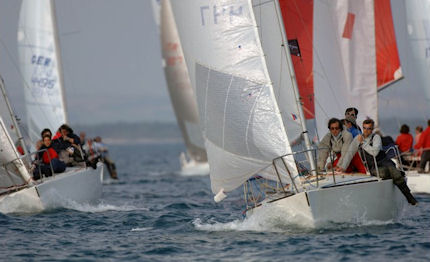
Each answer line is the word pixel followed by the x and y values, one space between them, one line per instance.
pixel 111 60
pixel 112 64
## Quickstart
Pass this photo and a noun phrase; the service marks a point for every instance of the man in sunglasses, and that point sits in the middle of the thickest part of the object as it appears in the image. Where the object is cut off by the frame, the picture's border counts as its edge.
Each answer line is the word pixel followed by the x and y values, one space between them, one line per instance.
pixel 336 143
pixel 369 146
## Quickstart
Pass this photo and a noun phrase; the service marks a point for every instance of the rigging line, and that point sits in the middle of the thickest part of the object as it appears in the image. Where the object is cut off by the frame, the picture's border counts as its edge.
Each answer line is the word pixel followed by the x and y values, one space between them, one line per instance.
pixel 261 28
pixel 309 111
pixel 16 67
pixel 26 85
pixel 291 71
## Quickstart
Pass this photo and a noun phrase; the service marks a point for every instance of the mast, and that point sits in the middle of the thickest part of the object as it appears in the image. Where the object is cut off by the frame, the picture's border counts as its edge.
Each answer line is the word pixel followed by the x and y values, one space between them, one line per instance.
pixel 12 116
pixel 296 90
pixel 58 54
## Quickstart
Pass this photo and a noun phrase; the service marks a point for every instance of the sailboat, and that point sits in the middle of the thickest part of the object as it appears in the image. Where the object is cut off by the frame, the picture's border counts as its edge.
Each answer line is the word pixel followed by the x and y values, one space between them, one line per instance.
pixel 194 160
pixel 411 23
pixel 239 64
pixel 41 71
pixel 19 193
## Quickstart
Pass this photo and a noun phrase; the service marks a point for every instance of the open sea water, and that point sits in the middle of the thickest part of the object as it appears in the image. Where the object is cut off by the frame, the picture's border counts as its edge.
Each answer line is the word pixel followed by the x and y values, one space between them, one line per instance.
pixel 154 214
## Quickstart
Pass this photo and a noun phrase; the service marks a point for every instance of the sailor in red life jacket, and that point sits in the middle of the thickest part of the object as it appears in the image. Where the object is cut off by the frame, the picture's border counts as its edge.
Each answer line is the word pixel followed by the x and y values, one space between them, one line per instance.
pixel 404 140
pixel 424 144
pixel 49 158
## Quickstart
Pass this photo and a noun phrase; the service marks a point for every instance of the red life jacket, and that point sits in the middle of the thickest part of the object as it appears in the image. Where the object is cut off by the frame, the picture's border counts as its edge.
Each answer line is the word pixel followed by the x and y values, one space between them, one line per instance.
pixel 52 154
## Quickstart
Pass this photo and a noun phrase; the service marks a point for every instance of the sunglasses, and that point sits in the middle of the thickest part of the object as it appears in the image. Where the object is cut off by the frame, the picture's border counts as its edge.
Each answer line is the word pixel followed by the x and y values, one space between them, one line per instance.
pixel 334 128
pixel 368 128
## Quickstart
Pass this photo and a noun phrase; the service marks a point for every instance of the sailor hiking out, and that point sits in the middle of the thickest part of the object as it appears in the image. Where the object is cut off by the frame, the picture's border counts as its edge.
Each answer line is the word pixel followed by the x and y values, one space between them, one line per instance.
pixel 370 148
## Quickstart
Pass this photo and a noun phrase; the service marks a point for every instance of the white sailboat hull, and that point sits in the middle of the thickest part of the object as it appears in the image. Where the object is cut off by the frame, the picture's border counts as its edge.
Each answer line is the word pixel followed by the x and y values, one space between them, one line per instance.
pixel 76 186
pixel 418 182
pixel 353 203
pixel 193 168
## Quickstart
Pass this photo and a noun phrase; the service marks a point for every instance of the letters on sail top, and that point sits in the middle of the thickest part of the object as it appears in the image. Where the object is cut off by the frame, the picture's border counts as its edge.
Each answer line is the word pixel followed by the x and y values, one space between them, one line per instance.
pixel 215 13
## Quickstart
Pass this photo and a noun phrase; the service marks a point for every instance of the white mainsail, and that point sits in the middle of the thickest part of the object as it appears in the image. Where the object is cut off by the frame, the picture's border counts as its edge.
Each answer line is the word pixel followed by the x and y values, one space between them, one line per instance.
pixel 344 60
pixel 41 67
pixel 241 121
pixel 179 86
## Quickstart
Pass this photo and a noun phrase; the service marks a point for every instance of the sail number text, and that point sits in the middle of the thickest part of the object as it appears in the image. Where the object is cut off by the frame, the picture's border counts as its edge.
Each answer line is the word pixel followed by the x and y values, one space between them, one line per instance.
pixel 43 82
pixel 216 14
pixel 41 60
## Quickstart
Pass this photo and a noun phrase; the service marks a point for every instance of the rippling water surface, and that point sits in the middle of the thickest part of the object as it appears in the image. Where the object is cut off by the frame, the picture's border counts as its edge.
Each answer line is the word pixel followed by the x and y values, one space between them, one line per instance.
pixel 153 214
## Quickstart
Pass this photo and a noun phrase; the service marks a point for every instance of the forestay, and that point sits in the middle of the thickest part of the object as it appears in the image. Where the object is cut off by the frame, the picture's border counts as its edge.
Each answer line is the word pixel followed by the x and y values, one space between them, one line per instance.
pixel 344 60
pixel 12 169
pixel 240 118
pixel 40 67
pixel 6 115
pixel 179 86
pixel 270 29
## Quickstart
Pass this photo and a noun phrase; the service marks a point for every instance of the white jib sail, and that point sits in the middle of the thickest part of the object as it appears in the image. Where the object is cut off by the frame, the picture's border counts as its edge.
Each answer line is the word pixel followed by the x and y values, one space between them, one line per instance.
pixel 40 67
pixel 7 119
pixel 12 169
pixel 240 118
pixel 9 160
pixel 179 86
pixel 344 60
